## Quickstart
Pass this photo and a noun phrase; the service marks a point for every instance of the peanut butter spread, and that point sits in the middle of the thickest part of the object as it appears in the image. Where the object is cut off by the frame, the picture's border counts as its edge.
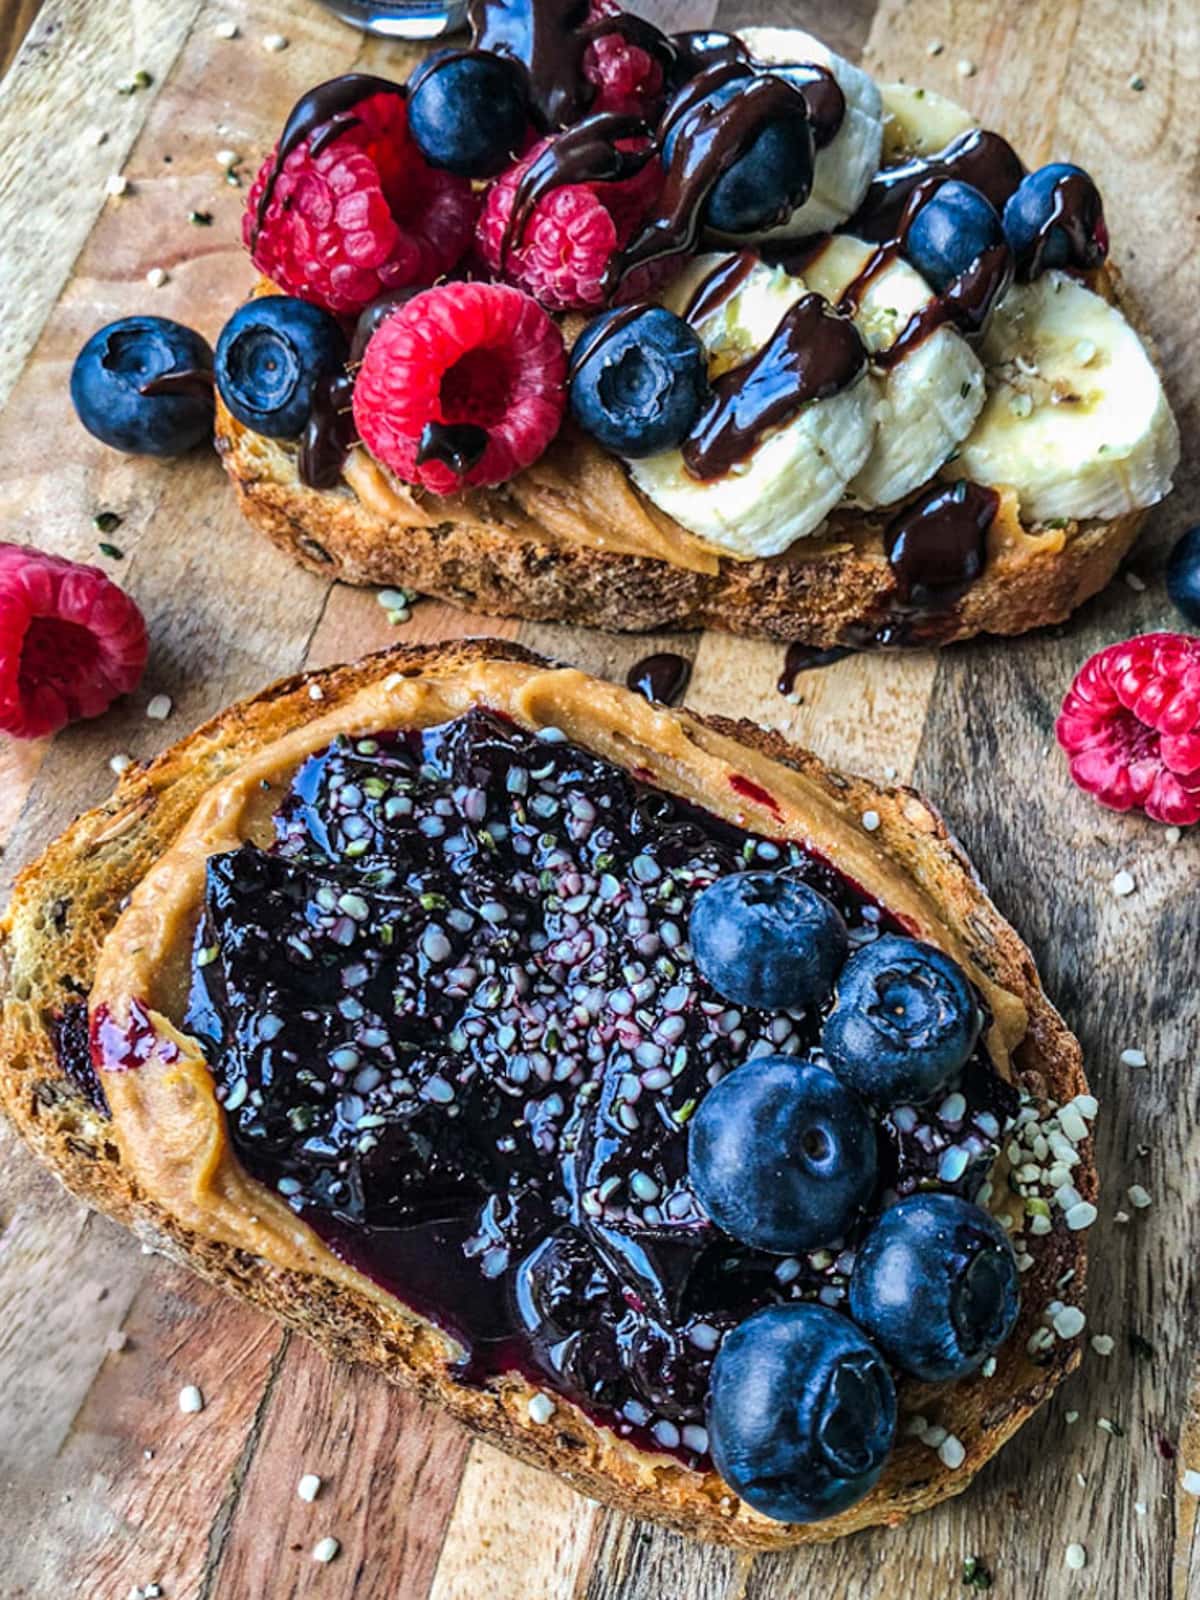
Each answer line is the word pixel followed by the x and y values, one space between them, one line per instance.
pixel 168 1122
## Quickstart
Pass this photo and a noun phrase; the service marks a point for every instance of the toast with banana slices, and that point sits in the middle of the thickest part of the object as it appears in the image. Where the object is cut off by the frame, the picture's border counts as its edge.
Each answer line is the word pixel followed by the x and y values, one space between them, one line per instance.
pixel 838 371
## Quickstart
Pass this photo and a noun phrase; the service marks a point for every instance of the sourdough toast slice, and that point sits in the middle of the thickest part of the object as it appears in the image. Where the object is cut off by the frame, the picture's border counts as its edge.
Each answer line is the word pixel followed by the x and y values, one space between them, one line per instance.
pixel 65 905
pixel 515 552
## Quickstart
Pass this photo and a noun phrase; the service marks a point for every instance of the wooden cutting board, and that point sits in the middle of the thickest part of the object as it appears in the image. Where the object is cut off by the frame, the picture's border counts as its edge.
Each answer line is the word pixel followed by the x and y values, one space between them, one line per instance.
pixel 104 1485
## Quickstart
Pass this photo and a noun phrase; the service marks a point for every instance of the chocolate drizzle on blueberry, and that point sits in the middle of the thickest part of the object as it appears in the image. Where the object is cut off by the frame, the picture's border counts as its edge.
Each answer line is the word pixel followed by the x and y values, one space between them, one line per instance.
pixel 455 1018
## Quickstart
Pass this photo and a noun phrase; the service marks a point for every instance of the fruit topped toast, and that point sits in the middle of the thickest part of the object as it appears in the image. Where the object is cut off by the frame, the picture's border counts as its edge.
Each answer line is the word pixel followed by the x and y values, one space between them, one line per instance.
pixel 593 323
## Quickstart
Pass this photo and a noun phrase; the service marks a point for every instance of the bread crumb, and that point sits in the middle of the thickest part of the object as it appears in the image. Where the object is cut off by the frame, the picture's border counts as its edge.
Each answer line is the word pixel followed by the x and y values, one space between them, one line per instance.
pixel 120 763
pixel 190 1399
pixel 315 692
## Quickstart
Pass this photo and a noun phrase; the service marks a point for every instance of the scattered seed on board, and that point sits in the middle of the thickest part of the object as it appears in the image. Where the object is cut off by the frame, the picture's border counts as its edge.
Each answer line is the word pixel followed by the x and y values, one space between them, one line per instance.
pixel 190 1399
pixel 325 1549
pixel 309 1487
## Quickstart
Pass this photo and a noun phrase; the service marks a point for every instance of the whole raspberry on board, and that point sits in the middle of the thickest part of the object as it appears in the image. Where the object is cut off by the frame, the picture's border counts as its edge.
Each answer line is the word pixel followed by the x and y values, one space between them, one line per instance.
pixel 570 237
pixel 463 386
pixel 1130 724
pixel 70 642
pixel 364 215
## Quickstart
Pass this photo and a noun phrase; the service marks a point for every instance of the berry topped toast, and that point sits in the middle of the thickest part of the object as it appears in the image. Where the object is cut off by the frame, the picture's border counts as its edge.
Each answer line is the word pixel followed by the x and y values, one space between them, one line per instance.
pixel 591 323
pixel 677 1112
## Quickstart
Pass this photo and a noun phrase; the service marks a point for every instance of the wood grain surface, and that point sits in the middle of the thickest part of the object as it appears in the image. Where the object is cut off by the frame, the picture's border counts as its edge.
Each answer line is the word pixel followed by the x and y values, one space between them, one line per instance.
pixel 104 1485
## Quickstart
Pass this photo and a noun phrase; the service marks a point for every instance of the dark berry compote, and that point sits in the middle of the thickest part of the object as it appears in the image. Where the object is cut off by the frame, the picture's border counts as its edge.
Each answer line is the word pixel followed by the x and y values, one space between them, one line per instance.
pixel 454 1019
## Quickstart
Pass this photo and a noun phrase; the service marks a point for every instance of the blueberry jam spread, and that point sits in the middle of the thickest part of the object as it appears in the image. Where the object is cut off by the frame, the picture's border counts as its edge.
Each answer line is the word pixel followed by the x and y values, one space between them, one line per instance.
pixel 454 1019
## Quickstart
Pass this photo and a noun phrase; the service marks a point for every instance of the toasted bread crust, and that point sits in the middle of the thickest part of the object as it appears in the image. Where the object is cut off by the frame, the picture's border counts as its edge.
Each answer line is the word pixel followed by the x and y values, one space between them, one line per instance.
pixel 64 905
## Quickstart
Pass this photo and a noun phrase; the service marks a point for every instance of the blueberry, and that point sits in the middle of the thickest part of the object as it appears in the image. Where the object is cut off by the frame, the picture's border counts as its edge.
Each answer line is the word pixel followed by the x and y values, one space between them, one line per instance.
pixel 640 381
pixel 1079 240
pixel 801 1412
pixel 767 939
pixel 765 185
pixel 270 355
pixel 904 1021
pixel 782 1155
pixel 935 1284
pixel 116 376
pixel 467 112
pixel 950 232
pixel 1183 575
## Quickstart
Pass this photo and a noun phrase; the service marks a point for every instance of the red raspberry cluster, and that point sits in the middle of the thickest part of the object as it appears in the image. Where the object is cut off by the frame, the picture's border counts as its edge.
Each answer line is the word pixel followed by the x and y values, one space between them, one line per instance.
pixel 1130 725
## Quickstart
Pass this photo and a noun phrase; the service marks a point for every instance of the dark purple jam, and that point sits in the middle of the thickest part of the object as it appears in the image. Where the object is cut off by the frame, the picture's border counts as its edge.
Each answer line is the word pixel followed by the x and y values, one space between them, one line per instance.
pixel 454 1020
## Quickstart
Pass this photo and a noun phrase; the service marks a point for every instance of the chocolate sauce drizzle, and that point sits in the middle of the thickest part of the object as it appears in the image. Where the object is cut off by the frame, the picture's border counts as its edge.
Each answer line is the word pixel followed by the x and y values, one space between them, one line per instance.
pixel 812 355
pixel 196 381
pixel 709 139
pixel 1077 214
pixel 978 157
pixel 802 657
pixel 324 112
pixel 586 153
pixel 723 281
pixel 661 677
pixel 967 303
pixel 329 433
pixel 457 445
pixel 937 546
pixel 550 39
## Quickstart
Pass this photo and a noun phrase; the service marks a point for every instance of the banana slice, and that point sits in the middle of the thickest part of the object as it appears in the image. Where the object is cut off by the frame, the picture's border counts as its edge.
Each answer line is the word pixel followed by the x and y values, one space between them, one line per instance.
pixel 918 122
pixel 1076 419
pixel 796 474
pixel 928 402
pixel 845 167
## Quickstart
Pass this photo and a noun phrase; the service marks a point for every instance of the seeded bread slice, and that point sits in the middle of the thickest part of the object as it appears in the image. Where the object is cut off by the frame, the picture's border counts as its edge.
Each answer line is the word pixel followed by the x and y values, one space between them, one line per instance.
pixel 64 905
pixel 535 548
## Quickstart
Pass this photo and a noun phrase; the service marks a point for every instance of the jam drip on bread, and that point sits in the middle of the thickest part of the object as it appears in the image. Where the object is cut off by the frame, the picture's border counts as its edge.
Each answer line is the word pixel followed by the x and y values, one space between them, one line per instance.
pixel 454 1018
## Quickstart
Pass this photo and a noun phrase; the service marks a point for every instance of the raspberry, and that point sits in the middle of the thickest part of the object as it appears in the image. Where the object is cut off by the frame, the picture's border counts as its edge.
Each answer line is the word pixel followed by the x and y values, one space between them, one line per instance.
pixel 365 215
pixel 70 642
pixel 627 79
pixel 483 359
pixel 570 237
pixel 1130 724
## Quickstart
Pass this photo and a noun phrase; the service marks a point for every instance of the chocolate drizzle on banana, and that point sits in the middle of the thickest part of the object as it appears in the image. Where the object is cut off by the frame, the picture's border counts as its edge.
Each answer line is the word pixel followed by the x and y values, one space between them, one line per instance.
pixel 812 355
